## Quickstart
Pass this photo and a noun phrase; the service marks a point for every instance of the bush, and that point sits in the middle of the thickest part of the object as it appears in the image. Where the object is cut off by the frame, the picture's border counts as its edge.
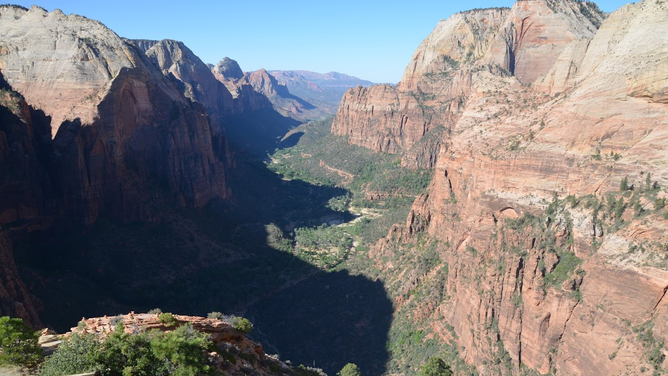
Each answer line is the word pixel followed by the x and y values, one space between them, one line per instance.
pixel 435 367
pixel 216 315
pixel 128 354
pixel 168 319
pixel 182 352
pixel 74 355
pixel 242 324
pixel 155 311
pixel 18 343
pixel 349 369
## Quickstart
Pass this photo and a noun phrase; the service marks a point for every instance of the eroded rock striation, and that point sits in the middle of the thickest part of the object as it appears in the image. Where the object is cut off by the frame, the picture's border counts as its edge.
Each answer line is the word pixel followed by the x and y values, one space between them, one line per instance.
pixel 544 130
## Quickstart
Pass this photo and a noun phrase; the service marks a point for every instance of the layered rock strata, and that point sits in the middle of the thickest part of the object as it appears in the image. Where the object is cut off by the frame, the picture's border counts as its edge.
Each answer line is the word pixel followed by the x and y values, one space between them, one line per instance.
pixel 543 269
pixel 437 83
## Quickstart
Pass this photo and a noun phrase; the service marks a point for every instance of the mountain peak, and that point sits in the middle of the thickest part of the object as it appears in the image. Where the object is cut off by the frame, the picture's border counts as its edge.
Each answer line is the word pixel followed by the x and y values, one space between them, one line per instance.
pixel 228 69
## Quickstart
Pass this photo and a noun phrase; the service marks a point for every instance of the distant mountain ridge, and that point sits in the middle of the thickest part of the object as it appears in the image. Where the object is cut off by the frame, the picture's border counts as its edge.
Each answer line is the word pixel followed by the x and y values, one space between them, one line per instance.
pixel 323 90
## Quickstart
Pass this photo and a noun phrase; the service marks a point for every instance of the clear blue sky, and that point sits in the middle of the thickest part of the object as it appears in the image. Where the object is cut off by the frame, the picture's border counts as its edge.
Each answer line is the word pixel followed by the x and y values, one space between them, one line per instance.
pixel 370 39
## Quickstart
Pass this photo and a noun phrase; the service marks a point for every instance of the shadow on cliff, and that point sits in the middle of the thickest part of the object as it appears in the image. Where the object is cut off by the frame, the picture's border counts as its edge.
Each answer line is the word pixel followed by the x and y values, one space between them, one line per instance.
pixel 221 258
pixel 257 133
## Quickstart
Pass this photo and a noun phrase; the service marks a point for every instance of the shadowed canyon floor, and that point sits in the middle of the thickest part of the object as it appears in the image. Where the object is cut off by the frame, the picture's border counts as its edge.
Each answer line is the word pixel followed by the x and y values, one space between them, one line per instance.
pixel 219 259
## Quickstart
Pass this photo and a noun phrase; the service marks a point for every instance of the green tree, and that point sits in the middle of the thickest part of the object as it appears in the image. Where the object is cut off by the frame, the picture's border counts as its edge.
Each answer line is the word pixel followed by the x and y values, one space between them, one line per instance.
pixel 349 369
pixel 74 355
pixel 18 343
pixel 624 185
pixel 435 367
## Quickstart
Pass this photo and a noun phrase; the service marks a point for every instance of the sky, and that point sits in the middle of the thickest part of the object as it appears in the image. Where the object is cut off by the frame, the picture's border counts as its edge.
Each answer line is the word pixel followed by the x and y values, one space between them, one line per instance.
pixel 369 39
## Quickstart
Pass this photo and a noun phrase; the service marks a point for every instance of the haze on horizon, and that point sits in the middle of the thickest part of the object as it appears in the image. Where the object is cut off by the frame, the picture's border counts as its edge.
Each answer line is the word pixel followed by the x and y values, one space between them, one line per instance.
pixel 371 40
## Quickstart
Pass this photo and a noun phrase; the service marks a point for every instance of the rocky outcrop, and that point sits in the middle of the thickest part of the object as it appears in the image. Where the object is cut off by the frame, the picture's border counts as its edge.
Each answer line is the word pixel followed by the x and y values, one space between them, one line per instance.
pixel 227 69
pixel 228 72
pixel 543 271
pixel 280 97
pixel 234 353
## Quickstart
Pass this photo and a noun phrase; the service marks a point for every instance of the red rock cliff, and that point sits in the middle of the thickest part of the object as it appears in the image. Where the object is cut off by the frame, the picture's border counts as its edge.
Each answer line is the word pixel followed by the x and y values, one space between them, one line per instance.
pixel 125 137
pixel 524 41
pixel 524 182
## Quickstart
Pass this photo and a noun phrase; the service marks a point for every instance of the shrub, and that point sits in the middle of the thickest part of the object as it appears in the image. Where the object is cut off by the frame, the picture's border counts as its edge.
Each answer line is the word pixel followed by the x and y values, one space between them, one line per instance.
pixel 18 343
pixel 168 319
pixel 435 367
pixel 128 354
pixel 182 352
pixel 349 369
pixel 216 315
pixel 74 355
pixel 242 324
pixel 155 311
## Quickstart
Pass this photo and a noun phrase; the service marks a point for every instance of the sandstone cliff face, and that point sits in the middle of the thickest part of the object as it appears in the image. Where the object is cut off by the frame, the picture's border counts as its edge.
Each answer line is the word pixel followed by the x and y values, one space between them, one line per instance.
pixel 542 270
pixel 228 72
pixel 535 33
pixel 125 123
pixel 176 60
pixel 524 41
pixel 124 137
pixel 26 187
pixel 41 52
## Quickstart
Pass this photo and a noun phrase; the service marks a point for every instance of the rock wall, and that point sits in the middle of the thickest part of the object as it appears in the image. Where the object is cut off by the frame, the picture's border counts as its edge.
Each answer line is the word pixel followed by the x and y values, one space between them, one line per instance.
pixel 228 72
pixel 198 83
pixel 524 42
pixel 125 139
pixel 544 270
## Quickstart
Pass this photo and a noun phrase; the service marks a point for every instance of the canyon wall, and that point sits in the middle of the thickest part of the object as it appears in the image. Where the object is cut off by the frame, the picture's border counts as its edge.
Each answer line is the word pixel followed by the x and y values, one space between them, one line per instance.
pixel 437 82
pixel 549 186
pixel 95 129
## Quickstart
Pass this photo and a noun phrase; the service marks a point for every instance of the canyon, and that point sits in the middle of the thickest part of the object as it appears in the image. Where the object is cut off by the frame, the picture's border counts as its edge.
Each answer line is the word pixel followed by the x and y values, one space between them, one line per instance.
pixel 537 247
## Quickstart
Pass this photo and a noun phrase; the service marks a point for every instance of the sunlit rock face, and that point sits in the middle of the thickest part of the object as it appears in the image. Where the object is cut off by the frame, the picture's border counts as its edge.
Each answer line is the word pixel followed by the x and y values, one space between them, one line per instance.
pixel 539 102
